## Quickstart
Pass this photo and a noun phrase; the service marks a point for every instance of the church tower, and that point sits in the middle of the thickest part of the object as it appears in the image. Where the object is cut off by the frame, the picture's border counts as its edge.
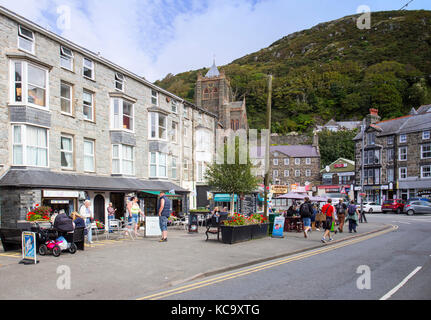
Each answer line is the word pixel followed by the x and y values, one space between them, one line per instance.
pixel 213 93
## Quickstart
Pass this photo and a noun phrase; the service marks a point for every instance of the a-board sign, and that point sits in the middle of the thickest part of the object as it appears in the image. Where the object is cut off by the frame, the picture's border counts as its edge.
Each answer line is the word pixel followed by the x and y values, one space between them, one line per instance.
pixel 152 227
pixel 28 248
pixel 277 231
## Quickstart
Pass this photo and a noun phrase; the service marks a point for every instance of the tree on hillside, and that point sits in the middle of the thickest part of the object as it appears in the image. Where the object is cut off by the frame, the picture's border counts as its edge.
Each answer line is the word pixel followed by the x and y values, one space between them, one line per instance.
pixel 334 145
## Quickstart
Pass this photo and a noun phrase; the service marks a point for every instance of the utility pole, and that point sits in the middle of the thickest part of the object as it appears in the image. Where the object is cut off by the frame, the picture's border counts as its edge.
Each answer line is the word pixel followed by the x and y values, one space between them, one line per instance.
pixel 362 163
pixel 267 145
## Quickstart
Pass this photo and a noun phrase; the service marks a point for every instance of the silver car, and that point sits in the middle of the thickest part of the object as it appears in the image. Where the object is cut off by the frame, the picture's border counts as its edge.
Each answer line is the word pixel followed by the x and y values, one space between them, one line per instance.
pixel 418 206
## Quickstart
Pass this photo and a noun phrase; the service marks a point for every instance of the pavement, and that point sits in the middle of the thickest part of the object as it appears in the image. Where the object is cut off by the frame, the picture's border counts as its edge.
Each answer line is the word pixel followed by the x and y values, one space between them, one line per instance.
pixel 126 269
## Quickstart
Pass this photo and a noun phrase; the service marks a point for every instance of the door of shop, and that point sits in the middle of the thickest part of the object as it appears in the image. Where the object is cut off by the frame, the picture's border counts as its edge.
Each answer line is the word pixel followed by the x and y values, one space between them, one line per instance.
pixel 99 208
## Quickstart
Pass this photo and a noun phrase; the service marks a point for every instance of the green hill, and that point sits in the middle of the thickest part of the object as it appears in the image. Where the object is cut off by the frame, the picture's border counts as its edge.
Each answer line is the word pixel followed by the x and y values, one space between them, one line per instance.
pixel 333 70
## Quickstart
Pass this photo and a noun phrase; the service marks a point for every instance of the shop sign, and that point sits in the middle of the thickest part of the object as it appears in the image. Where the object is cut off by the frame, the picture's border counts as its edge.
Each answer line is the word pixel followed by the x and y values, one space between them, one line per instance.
pixel 59 201
pixel 327 175
pixel 385 187
pixel 152 227
pixel 60 194
pixel 28 248
pixel 279 189
pixel 340 165
pixel 357 188
pixel 345 174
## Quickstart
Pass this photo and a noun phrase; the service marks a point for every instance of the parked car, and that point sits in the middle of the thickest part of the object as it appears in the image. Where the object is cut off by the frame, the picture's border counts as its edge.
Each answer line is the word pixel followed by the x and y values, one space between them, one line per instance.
pixel 371 207
pixel 416 207
pixel 395 205
pixel 417 199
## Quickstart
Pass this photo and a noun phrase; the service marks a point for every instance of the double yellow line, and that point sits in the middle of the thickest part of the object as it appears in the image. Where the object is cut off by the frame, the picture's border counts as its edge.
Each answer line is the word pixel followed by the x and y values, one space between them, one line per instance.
pixel 261 267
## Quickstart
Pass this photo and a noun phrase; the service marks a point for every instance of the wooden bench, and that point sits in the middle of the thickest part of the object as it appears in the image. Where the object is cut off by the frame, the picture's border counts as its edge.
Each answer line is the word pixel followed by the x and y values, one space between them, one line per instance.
pixel 215 223
pixel 11 239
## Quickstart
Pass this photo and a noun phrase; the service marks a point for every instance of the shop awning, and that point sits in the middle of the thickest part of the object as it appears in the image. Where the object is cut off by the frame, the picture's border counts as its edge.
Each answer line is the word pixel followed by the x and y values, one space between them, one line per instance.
pixel 224 197
pixel 157 193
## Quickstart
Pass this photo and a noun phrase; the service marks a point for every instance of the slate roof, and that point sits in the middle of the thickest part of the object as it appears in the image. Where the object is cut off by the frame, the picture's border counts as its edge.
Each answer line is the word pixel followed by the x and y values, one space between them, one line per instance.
pixel 294 151
pixel 405 124
pixel 30 178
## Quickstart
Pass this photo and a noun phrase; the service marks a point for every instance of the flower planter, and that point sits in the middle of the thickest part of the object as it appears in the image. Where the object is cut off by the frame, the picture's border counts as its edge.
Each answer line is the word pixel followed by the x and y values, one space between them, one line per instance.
pixel 235 234
pixel 259 231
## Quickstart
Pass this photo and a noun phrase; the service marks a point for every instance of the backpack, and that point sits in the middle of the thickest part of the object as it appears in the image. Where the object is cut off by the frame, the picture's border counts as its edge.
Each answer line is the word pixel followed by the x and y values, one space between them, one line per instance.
pixel 351 210
pixel 304 210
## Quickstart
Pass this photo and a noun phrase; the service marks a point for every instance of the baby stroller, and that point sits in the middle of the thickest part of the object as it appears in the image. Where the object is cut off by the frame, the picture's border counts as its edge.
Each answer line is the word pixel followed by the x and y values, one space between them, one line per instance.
pixel 54 241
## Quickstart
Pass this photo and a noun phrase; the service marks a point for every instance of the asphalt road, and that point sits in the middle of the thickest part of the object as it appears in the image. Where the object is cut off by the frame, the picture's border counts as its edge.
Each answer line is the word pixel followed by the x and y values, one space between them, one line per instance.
pixel 394 265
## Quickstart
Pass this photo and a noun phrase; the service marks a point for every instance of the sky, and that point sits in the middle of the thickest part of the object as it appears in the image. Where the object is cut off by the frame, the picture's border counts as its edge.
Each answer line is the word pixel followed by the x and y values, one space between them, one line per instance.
pixel 158 37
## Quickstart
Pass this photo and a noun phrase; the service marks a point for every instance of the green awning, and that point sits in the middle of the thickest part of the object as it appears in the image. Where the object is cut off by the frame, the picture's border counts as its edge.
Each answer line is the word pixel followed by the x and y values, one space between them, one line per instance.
pixel 157 193
pixel 224 197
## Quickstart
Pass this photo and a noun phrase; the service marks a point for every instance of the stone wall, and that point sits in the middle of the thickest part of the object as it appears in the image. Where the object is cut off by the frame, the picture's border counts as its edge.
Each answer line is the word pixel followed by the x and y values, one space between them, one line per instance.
pixel 16 203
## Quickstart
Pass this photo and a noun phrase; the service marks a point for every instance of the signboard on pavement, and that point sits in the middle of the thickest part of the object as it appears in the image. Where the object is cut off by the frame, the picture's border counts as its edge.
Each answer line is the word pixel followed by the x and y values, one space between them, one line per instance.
pixel 152 227
pixel 277 231
pixel 28 248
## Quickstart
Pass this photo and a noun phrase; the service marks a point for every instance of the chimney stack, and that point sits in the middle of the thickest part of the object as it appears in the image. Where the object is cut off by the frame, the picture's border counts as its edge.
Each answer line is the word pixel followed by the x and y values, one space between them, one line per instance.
pixel 373 117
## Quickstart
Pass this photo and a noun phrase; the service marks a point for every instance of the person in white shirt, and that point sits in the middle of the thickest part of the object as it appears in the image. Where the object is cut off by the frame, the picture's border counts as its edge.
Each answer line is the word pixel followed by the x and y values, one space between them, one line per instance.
pixel 86 213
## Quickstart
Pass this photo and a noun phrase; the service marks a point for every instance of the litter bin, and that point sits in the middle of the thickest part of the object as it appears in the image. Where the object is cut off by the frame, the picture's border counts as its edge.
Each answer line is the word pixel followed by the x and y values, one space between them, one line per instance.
pixel 193 223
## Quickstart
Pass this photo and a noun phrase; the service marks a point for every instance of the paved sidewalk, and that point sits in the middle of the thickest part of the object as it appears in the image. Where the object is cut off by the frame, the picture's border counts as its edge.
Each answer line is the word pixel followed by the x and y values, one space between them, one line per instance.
pixel 127 269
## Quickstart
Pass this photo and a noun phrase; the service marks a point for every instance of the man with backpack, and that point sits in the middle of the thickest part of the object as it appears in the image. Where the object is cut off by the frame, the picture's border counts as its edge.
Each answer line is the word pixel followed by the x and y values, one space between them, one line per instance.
pixel 306 211
pixel 352 216
pixel 341 215
pixel 329 211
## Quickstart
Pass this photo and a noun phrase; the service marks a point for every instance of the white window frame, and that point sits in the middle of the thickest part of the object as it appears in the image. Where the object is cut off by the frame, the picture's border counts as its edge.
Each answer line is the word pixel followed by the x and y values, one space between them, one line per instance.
pixel 200 171
pixel 24 145
pixel 402 153
pixel 158 165
pixel 66 56
pixel 22 36
pixel 286 173
pixel 307 160
pixel 156 118
pixel 286 161
pixel 174 106
pixel 422 171
pixel 390 140
pixel 91 106
pixel 403 138
pixel 174 137
pixel 308 173
pixel 392 176
pixel 186 170
pixel 297 173
pixel 185 112
pixel 400 173
pixel 275 162
pixel 174 169
pixel 120 81
pixel 275 173
pixel 71 152
pixel 70 100
pixel 422 151
pixel 92 155
pixel 117 120
pixel 297 161
pixel 154 96
pixel 426 135
pixel 25 84
pixel 121 159
pixel 85 67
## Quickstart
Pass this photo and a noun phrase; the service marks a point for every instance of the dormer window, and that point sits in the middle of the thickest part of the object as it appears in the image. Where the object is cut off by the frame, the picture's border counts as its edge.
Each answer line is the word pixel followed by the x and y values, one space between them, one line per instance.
pixel 119 81
pixel 25 39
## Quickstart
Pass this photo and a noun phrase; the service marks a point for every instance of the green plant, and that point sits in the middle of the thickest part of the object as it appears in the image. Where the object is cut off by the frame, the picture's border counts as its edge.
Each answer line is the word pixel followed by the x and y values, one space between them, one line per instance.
pixel 242 220
pixel 39 213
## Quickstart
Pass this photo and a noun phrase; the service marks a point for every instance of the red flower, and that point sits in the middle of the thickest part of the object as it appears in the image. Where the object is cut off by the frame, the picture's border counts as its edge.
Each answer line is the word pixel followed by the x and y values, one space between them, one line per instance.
pixel 37 205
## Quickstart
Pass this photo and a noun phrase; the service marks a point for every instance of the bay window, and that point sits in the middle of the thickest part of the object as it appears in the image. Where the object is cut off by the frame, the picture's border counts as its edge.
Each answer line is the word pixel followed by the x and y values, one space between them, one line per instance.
pixel 157 126
pixel 158 165
pixel 30 83
pixel 123 159
pixel 30 146
pixel 122 114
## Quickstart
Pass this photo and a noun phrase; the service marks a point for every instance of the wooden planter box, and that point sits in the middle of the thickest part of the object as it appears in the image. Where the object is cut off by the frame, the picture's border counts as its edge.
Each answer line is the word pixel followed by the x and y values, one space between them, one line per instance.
pixel 235 234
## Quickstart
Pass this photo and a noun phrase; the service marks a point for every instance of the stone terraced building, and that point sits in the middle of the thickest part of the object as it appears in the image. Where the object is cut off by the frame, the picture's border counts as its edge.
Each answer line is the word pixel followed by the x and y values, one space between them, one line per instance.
pixel 75 126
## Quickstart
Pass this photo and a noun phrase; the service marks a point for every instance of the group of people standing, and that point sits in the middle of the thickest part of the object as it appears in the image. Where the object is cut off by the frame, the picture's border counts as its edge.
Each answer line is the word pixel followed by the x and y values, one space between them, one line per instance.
pixel 328 217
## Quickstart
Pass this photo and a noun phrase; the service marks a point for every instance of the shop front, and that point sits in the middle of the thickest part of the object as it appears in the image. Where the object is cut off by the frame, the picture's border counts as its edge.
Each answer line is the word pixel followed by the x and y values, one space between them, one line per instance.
pixel 150 199
pixel 223 200
pixel 420 188
pixel 61 200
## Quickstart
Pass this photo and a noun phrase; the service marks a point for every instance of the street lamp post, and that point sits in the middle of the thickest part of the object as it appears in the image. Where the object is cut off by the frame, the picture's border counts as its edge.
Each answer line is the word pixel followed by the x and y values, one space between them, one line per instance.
pixel 267 145
pixel 362 164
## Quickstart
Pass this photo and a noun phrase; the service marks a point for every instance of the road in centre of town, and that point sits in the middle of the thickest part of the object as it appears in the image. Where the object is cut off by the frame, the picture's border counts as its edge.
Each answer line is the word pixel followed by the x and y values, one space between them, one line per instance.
pixel 399 263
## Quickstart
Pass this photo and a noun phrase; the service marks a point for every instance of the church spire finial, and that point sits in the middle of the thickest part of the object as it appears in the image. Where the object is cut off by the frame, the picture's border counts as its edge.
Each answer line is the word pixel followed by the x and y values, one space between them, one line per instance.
pixel 213 72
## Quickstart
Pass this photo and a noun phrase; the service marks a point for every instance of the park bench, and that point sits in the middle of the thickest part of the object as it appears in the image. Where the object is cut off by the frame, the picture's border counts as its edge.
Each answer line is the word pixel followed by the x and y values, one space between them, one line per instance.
pixel 213 226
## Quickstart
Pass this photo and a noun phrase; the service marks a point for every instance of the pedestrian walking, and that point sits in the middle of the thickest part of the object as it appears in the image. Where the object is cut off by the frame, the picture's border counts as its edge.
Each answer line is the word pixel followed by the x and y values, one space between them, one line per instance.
pixel 111 215
pixel 164 211
pixel 135 211
pixel 341 215
pixel 352 216
pixel 87 214
pixel 362 217
pixel 306 211
pixel 329 212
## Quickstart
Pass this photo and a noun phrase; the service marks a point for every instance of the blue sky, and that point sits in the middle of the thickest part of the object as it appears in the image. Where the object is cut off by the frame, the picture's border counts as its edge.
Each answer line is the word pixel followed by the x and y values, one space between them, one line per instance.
pixel 154 38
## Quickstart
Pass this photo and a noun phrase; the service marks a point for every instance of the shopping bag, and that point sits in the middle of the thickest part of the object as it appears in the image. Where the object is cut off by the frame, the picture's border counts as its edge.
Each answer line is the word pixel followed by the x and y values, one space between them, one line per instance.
pixel 333 226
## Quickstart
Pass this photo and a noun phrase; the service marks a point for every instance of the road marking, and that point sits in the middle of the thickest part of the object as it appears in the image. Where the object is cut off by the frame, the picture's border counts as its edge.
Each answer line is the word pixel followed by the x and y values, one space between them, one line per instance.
pixel 402 222
pixel 400 285
pixel 13 255
pixel 261 267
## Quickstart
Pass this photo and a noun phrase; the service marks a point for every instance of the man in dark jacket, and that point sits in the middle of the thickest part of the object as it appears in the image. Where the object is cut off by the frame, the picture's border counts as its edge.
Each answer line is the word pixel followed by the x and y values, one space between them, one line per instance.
pixel 164 211
pixel 306 211
pixel 63 223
